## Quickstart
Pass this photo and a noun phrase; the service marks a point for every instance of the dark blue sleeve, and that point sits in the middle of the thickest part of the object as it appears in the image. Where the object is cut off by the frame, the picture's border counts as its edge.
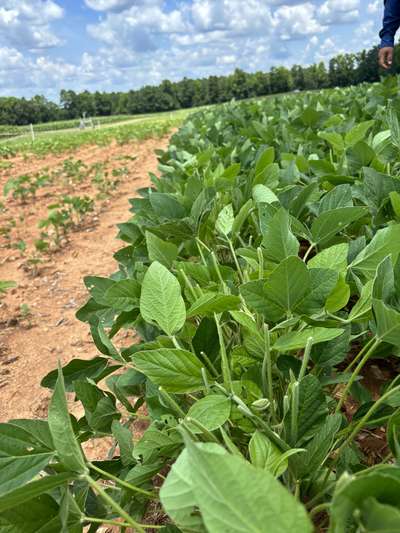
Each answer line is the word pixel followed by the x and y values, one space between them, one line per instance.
pixel 391 22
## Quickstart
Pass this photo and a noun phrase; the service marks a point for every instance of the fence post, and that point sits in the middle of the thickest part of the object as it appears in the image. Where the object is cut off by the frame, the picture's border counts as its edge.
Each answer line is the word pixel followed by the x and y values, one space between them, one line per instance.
pixel 32 132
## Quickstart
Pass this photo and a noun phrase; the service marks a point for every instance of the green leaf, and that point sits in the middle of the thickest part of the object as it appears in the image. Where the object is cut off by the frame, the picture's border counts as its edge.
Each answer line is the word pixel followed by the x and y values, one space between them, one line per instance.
pixel 265 455
pixel 175 370
pixel 4 285
pixel 278 240
pixel 332 222
pixel 288 283
pixel 241 217
pixel 338 197
pixel 123 295
pixel 225 220
pixel 177 496
pixel 211 411
pixel 97 369
pixel 262 194
pixel 358 132
pixel 363 306
pixel 295 340
pixel 317 450
pixel 124 438
pixel 41 515
pixel 65 442
pixel 334 139
pixel 161 300
pixel 339 297
pixel 323 281
pixel 394 125
pixel 377 517
pixel 334 257
pixel 385 242
pixel 267 157
pixel 351 494
pixel 210 303
pixel 32 490
pixel 161 251
pixel 387 323
pixel 312 408
pixel 233 496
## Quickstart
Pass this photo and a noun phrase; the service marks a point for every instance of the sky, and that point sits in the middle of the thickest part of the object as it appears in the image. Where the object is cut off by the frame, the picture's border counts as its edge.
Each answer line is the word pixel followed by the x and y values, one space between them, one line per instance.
pixel 117 45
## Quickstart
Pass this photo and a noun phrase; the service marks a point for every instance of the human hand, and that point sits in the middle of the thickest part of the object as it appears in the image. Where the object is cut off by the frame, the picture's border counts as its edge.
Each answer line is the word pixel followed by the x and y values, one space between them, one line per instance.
pixel 386 57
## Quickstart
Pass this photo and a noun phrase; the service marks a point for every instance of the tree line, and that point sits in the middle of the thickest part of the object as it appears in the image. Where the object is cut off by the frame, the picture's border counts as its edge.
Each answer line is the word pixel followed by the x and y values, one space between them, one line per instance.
pixel 343 70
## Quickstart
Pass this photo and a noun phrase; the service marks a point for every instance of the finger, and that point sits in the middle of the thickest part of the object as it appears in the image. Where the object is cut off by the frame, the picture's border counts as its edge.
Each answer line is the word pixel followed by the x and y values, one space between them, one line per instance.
pixel 389 57
pixel 382 63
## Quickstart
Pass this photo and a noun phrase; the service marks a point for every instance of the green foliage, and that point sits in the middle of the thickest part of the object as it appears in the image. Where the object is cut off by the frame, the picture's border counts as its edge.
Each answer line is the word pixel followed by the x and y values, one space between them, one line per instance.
pixel 261 274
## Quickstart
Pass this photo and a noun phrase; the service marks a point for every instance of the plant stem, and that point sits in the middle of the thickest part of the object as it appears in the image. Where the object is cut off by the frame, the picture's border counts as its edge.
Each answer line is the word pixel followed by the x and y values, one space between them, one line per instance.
pixel 319 508
pixel 260 263
pixel 104 521
pixel 226 371
pixel 121 482
pixel 356 372
pixel 366 417
pixel 240 273
pixel 306 358
pixel 112 503
pixel 188 284
pixel 211 437
pixel 209 363
pixel 310 249
pixel 171 402
pixel 266 372
pixel 221 279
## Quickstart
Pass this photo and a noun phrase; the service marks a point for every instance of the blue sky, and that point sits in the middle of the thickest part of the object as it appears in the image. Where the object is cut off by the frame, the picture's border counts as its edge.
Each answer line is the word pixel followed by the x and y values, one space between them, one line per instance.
pixel 116 45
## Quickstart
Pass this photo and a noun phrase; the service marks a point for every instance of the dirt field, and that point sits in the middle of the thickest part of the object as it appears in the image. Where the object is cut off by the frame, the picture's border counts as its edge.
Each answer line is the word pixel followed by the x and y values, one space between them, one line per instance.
pixel 37 323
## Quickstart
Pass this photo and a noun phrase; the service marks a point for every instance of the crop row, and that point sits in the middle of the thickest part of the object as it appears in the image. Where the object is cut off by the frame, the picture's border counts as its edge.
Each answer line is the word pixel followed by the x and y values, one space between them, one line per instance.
pixel 261 271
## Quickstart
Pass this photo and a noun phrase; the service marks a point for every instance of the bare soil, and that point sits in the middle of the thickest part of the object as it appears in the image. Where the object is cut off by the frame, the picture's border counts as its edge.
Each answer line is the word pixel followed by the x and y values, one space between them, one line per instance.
pixel 33 338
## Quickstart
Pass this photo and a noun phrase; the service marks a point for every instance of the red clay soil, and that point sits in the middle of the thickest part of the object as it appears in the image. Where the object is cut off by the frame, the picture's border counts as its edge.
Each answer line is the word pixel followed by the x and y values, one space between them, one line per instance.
pixel 31 343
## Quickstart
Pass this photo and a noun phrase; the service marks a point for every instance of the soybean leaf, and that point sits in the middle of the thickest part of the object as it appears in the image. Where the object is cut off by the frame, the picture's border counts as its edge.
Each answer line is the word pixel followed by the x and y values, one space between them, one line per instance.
pixel 263 195
pixel 288 283
pixel 358 132
pixel 339 297
pixel 334 257
pixel 211 303
pixel 32 490
pixel 177 496
pixel 266 455
pixel 387 323
pixel 312 408
pixel 123 295
pixel 96 369
pixel 385 242
pixel 161 300
pixel 161 251
pixel 296 340
pixel 176 370
pixel 351 494
pixel 234 496
pixel 278 240
pixel 123 436
pixel 225 220
pixel 211 411
pixel 327 224
pixel 322 283
pixel 68 449
pixel 338 197
pixel 317 450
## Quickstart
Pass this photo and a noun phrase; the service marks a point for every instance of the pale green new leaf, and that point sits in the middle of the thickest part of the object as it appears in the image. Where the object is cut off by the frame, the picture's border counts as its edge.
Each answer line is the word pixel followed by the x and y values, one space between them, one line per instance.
pixel 265 455
pixel 358 132
pixel 263 195
pixel 225 220
pixel 387 323
pixel 161 299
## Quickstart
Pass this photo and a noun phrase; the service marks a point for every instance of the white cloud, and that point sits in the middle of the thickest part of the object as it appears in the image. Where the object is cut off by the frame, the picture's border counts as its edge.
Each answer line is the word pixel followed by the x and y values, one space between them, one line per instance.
pixel 374 7
pixel 339 11
pixel 292 22
pixel 26 24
